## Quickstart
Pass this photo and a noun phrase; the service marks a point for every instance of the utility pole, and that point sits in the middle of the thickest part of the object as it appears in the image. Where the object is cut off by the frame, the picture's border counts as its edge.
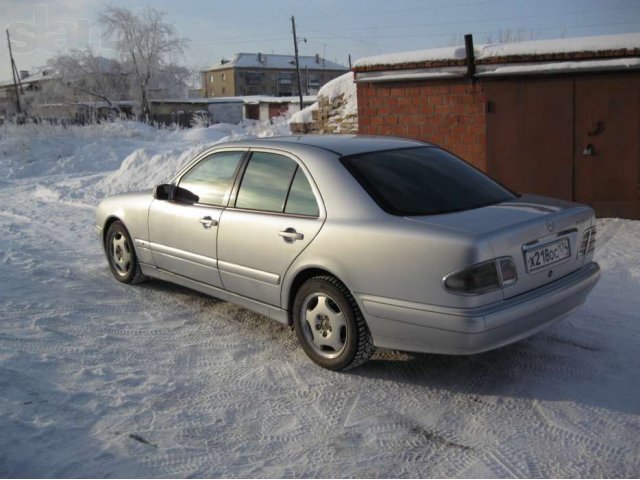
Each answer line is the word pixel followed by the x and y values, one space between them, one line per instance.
pixel 14 72
pixel 295 46
pixel 349 61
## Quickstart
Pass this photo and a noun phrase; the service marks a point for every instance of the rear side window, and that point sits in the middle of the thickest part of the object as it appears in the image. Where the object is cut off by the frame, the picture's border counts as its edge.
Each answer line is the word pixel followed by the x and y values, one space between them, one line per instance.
pixel 423 181
pixel 301 200
pixel 266 182
pixel 211 179
pixel 275 183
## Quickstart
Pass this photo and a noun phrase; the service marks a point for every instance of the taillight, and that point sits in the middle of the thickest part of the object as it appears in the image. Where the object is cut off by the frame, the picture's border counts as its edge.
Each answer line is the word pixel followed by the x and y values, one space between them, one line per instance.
pixel 588 243
pixel 483 277
pixel 508 273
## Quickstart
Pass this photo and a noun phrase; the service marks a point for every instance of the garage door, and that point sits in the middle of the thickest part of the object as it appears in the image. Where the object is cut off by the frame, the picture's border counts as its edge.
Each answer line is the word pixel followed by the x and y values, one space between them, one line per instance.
pixel 576 138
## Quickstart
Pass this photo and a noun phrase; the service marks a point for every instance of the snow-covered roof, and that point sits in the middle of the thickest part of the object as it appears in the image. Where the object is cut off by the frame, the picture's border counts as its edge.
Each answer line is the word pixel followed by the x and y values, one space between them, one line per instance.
pixel 629 41
pixel 46 72
pixel 248 100
pixel 263 60
pixel 39 74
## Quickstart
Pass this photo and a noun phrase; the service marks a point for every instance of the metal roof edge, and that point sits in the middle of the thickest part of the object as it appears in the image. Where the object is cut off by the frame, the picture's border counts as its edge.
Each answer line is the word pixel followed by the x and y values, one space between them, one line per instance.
pixel 415 74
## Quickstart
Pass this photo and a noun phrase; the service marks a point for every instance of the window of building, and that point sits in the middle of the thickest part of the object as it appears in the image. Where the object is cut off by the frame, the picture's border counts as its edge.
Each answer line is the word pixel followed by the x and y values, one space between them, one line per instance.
pixel 315 79
pixel 253 78
pixel 285 78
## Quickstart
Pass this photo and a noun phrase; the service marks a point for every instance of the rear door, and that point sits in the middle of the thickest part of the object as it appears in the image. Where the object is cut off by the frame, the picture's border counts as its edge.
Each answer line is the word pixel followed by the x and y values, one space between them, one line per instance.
pixel 275 214
pixel 183 231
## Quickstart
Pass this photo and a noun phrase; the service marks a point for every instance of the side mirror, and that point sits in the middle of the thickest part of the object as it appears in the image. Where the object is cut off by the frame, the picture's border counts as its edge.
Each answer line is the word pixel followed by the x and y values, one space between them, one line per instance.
pixel 162 192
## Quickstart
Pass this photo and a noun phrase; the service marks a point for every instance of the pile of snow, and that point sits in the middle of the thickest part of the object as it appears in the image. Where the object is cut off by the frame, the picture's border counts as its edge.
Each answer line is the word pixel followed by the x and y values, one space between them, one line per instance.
pixel 342 85
pixel 122 156
pixel 305 115
pixel 534 47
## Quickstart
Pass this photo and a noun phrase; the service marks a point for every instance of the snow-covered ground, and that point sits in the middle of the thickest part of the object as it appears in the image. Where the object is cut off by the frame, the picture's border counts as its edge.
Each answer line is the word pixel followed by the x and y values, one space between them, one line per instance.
pixel 99 379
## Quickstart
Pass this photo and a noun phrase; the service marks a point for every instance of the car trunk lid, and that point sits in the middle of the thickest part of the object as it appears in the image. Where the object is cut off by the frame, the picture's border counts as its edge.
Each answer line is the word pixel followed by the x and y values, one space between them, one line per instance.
pixel 541 235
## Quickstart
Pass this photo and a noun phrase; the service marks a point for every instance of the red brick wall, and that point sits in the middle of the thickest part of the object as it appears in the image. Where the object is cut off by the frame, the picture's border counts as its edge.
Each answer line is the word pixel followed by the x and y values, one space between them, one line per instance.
pixel 448 113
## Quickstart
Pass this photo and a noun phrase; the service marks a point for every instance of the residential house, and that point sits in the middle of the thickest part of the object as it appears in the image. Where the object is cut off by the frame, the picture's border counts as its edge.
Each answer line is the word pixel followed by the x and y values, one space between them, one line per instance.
pixel 264 74
pixel 29 85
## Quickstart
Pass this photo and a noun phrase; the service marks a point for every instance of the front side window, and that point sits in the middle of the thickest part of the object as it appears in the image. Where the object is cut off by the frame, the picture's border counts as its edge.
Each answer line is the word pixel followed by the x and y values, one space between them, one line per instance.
pixel 275 183
pixel 423 181
pixel 211 179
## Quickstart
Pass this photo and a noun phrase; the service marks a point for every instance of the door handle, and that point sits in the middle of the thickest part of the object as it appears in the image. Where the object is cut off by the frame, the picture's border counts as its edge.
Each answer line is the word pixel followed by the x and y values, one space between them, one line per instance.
pixel 290 235
pixel 208 222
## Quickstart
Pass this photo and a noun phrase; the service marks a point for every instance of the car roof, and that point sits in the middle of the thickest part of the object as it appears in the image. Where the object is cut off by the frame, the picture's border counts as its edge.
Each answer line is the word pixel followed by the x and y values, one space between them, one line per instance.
pixel 342 145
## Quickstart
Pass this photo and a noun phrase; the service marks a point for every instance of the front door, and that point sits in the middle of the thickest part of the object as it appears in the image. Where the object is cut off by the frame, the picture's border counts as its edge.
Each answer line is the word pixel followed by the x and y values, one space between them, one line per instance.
pixel 183 231
pixel 275 215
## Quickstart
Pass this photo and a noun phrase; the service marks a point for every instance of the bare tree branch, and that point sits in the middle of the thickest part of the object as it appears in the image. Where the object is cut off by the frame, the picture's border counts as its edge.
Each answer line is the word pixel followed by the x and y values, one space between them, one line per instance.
pixel 146 42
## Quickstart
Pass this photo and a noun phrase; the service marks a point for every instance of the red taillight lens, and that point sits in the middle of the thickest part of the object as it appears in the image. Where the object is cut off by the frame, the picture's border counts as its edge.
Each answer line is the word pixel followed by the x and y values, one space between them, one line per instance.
pixel 508 273
pixel 588 243
pixel 483 277
pixel 480 278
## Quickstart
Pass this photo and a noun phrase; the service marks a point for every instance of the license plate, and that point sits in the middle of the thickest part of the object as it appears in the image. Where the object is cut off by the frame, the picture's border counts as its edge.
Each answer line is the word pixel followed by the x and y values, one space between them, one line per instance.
pixel 551 253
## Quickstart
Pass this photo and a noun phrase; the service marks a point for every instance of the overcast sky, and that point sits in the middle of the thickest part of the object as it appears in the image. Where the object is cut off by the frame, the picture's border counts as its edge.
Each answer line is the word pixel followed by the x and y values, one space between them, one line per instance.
pixel 332 28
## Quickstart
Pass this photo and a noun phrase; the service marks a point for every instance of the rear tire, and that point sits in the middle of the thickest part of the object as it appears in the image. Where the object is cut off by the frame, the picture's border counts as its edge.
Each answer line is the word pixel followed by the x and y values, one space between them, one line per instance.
pixel 121 255
pixel 330 326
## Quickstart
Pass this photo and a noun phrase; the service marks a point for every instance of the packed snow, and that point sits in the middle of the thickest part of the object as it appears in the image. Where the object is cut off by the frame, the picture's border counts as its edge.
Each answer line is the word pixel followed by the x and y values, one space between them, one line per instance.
pixel 342 85
pixel 532 47
pixel 100 379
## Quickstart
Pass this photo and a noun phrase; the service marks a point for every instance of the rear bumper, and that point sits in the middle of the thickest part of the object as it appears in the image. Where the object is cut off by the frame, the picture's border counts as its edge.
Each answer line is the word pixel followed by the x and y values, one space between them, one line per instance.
pixel 423 328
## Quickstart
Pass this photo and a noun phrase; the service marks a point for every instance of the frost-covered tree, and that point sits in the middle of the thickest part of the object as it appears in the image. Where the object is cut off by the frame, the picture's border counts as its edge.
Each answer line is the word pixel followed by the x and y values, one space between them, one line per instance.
pixel 149 46
pixel 508 35
pixel 82 76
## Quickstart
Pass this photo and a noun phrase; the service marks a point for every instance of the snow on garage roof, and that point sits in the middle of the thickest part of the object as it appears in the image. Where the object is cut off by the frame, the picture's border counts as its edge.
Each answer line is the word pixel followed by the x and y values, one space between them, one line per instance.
pixel 629 41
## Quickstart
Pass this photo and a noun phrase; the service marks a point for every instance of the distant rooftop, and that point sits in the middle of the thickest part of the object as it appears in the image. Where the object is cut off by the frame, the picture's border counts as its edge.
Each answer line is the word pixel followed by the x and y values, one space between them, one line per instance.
pixel 36 75
pixel 263 60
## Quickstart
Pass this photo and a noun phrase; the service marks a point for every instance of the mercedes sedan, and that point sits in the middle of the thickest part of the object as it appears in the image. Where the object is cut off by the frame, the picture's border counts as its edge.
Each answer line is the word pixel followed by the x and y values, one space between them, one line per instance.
pixel 357 243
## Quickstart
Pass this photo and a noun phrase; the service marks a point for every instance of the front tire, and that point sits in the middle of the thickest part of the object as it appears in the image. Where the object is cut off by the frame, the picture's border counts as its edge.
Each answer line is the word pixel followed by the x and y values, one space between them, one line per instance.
pixel 330 326
pixel 121 255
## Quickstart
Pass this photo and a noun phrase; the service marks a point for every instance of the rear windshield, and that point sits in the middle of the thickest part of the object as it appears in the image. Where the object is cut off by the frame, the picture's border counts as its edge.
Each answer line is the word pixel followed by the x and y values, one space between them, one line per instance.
pixel 423 181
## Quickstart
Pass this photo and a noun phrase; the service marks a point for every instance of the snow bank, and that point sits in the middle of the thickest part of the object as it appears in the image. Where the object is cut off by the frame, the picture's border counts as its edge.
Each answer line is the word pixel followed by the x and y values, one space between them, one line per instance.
pixel 342 85
pixel 305 115
pixel 123 156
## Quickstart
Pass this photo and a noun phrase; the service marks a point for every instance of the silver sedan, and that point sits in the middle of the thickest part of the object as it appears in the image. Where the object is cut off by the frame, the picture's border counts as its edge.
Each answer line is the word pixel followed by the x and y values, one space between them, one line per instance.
pixel 357 243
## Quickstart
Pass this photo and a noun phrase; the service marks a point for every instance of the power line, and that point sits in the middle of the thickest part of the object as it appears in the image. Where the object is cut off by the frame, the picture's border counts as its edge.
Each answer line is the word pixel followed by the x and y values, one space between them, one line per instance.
pixel 458 22
pixel 448 34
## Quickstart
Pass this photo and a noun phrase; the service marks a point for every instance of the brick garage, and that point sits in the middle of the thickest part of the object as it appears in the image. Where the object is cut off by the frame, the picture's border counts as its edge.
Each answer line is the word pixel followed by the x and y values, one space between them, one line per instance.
pixel 451 114
pixel 562 123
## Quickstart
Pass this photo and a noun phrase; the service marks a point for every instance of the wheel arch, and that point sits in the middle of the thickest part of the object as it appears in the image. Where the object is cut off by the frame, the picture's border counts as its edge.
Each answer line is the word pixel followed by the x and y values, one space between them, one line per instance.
pixel 107 223
pixel 298 280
